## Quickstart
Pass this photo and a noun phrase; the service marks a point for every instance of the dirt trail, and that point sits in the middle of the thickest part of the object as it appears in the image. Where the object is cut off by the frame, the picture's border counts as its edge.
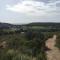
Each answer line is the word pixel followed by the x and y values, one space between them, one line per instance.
pixel 54 53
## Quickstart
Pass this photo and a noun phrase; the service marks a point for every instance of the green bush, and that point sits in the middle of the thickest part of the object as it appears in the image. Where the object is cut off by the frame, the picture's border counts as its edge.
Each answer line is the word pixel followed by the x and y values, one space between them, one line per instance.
pixel 58 41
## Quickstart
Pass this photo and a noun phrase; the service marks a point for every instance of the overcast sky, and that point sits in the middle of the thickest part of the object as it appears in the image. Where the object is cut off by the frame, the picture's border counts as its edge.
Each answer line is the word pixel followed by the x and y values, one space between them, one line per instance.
pixel 26 11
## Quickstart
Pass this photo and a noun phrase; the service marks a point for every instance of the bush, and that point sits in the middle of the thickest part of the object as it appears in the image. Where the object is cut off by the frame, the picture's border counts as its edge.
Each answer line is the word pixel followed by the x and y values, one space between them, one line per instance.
pixel 58 41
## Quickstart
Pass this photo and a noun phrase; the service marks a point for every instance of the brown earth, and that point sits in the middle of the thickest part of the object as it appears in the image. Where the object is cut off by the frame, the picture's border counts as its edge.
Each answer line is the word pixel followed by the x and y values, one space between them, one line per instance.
pixel 54 53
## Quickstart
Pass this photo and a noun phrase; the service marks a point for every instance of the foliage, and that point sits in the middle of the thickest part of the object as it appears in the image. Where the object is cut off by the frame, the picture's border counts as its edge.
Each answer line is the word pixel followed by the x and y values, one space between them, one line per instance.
pixel 58 41
pixel 27 45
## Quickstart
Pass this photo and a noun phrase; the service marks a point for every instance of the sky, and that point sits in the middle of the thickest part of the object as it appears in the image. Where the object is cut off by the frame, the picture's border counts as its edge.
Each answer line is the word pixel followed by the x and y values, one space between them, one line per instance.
pixel 27 11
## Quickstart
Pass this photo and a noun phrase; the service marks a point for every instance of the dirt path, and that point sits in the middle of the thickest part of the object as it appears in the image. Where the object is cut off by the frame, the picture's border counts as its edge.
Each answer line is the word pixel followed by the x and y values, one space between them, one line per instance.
pixel 54 53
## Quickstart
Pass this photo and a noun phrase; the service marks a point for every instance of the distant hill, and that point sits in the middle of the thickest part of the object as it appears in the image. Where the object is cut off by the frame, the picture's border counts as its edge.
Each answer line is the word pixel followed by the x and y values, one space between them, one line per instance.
pixel 44 24
pixel 5 25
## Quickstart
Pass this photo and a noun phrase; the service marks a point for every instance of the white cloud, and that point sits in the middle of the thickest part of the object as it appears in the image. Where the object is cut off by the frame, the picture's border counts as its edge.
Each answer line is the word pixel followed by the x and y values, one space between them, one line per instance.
pixel 32 7
pixel 29 7
pixel 37 10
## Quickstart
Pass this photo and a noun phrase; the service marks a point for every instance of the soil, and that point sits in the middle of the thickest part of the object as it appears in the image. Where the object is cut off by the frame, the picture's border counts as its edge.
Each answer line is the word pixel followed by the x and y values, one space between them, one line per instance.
pixel 53 53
